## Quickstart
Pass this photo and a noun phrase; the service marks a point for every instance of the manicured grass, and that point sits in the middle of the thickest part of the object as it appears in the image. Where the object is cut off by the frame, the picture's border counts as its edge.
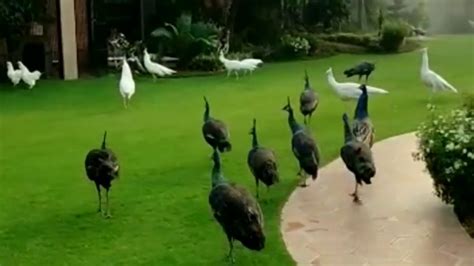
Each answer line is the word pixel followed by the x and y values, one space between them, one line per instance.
pixel 161 214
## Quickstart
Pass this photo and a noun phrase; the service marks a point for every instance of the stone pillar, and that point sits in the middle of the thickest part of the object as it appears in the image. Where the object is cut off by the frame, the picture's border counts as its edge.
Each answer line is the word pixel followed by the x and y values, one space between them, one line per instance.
pixel 68 39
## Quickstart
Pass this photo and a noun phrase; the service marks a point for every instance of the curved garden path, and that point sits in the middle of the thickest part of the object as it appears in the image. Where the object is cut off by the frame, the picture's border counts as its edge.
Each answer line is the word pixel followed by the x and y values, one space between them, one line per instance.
pixel 401 222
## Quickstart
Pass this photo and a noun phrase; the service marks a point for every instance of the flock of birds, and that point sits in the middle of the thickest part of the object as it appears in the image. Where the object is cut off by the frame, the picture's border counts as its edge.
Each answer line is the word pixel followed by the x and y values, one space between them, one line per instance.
pixel 234 208
pixel 22 74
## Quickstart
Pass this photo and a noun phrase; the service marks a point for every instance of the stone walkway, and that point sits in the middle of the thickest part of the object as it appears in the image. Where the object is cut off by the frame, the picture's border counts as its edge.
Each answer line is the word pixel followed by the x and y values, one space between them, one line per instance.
pixel 400 223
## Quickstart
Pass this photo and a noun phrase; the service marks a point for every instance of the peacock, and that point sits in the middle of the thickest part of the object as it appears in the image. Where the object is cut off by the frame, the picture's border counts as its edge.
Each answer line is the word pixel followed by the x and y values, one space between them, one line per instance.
pixel 236 210
pixel 102 168
pixel 262 162
pixel 357 157
pixel 309 100
pixel 304 147
pixel 362 69
pixel 215 131
pixel 154 68
pixel 126 84
pixel 431 79
pixel 363 128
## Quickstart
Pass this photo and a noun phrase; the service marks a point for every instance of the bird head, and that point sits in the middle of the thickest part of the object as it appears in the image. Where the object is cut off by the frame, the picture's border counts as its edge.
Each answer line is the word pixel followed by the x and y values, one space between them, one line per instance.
pixel 424 50
pixel 9 65
pixel 363 88
pixel 329 71
pixel 20 64
pixel 287 107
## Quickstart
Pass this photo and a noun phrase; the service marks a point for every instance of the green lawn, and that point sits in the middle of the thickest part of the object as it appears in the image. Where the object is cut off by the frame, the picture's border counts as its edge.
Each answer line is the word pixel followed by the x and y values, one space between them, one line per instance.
pixel 161 214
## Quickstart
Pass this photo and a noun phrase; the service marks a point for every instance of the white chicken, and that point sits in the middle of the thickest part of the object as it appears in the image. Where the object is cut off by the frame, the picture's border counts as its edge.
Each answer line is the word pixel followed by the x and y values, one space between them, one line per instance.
pixel 430 78
pixel 232 65
pixel 127 84
pixel 13 74
pixel 250 64
pixel 28 77
pixel 349 90
pixel 155 68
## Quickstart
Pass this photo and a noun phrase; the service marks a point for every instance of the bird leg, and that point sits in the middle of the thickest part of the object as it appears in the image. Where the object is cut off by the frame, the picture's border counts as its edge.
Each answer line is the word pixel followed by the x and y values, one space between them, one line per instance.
pixel 367 79
pixel 125 102
pixel 230 256
pixel 228 73
pixel 355 195
pixel 302 176
pixel 100 197
pixel 154 77
pixel 237 74
pixel 107 212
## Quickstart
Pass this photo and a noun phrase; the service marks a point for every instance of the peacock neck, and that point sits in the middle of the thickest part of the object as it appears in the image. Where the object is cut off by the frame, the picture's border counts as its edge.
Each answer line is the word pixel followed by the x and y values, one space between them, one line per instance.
pixel 294 126
pixel 348 136
pixel 332 81
pixel 254 139
pixel 425 62
pixel 361 111
pixel 206 113
pixel 217 177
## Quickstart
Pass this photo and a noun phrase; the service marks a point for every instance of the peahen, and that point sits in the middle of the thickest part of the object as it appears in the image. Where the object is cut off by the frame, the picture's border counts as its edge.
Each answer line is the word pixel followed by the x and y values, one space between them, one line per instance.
pixel 358 158
pixel 309 100
pixel 215 131
pixel 362 69
pixel 262 162
pixel 363 128
pixel 236 210
pixel 304 147
pixel 102 167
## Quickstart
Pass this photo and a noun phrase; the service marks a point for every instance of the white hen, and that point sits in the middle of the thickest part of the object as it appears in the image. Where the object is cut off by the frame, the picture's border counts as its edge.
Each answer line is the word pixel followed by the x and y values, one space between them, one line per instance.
pixel 155 68
pixel 432 80
pixel 250 64
pixel 28 77
pixel 349 90
pixel 127 84
pixel 13 74
pixel 232 65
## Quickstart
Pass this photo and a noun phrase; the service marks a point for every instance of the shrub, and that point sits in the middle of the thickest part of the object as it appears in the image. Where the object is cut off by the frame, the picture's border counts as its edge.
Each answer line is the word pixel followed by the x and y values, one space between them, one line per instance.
pixel 393 36
pixel 293 46
pixel 349 38
pixel 205 62
pixel 446 144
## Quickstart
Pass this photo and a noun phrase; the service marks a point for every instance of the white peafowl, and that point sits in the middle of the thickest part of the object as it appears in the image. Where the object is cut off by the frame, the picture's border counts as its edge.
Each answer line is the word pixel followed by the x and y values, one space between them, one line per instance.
pixel 13 74
pixel 155 68
pixel 233 65
pixel 250 64
pixel 348 91
pixel 431 79
pixel 127 84
pixel 28 77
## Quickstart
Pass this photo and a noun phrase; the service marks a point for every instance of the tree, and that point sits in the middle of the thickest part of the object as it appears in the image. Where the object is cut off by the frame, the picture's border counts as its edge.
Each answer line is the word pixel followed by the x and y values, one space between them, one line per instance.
pixel 327 13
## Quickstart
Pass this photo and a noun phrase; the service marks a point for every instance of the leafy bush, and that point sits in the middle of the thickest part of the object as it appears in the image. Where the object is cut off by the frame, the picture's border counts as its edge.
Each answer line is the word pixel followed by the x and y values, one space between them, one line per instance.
pixel 186 39
pixel 349 38
pixel 293 46
pixel 446 144
pixel 393 36
pixel 204 62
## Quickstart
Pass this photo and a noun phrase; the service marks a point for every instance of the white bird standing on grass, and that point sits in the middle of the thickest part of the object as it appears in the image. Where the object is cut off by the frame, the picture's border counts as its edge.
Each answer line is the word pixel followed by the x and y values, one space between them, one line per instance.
pixel 155 68
pixel 28 77
pixel 127 84
pixel 13 74
pixel 349 90
pixel 432 80
pixel 233 65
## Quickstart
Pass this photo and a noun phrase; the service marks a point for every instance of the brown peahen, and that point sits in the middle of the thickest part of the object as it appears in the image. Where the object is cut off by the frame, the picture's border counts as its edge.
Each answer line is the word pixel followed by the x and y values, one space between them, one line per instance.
pixel 262 162
pixel 102 167
pixel 358 158
pixel 309 100
pixel 304 147
pixel 236 210
pixel 215 131
pixel 363 128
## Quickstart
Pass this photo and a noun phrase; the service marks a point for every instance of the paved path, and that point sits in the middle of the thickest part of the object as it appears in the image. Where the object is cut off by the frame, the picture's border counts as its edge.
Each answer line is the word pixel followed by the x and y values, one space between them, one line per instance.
pixel 400 223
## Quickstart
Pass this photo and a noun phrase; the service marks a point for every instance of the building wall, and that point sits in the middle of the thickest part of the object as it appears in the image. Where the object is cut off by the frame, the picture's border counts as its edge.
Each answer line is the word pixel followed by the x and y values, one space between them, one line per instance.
pixel 82 33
